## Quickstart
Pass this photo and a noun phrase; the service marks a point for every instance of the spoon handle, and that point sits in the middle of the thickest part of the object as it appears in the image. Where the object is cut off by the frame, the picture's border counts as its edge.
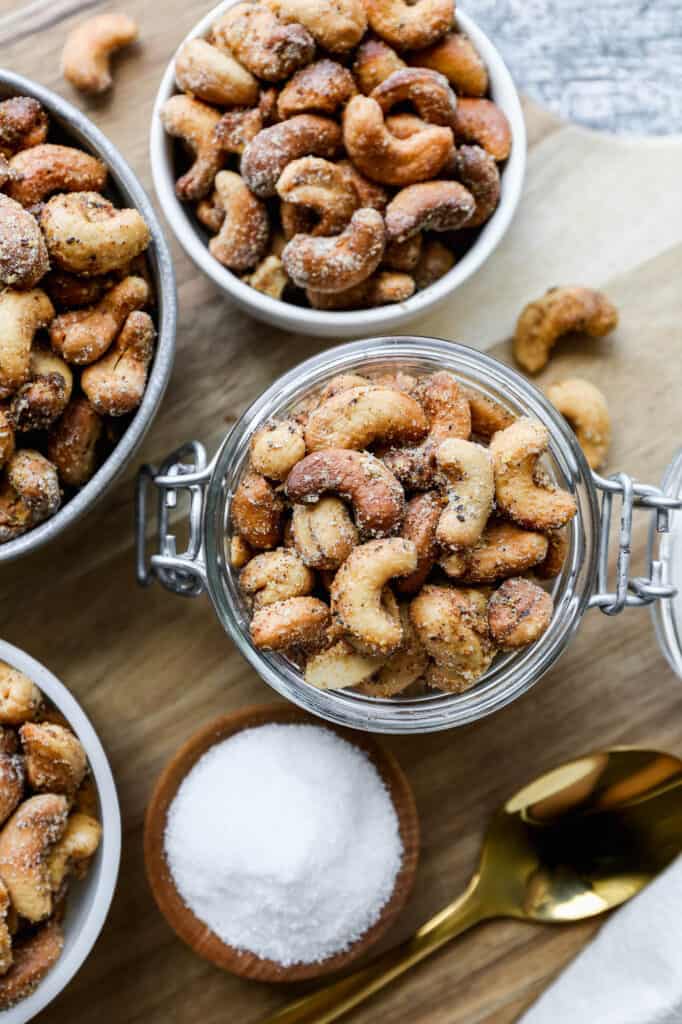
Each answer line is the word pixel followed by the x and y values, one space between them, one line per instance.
pixel 331 1002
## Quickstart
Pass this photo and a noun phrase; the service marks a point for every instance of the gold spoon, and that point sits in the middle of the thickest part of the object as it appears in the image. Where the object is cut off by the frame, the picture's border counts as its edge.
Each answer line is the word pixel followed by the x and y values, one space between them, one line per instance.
pixel 576 842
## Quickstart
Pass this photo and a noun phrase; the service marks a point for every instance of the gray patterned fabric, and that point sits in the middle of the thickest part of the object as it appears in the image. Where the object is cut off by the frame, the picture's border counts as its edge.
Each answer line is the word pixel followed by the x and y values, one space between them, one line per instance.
pixel 614 65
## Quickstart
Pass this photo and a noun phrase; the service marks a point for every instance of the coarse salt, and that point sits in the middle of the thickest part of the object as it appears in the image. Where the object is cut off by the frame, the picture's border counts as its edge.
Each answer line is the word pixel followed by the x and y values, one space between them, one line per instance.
pixel 284 840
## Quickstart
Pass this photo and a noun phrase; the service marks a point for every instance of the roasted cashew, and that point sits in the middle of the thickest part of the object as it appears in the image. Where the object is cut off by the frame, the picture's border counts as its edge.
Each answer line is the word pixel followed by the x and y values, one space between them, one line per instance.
pixel 479 173
pixel 519 612
pixel 7 435
pixel 47 168
pixel 115 383
pixel 558 542
pixel 429 206
pixel 271 48
pixel 25 845
pixel 403 256
pixel 318 188
pixel 358 417
pixel 243 236
pixel 23 123
pixel 74 851
pixel 276 576
pixel 533 504
pixel 487 415
pixel 341 382
pixel 86 234
pixel 23 253
pixel 19 697
pixel 54 757
pixel 214 76
pixel 273 148
pixel 276 448
pixel 12 778
pixel 296 622
pixel 452 625
pixel 236 129
pixel 257 511
pixel 84 335
pixel 369 193
pixel 324 534
pixel 435 261
pixel 340 666
pixel 455 57
pixel 385 158
pixel 73 440
pixel 33 956
pixel 586 409
pixel 69 291
pixel 381 289
pixel 422 513
pixel 410 26
pixel 558 312
pixel 504 549
pixel 357 477
pixel 29 493
pixel 447 409
pixel 426 90
pixel 483 123
pixel 269 277
pixel 337 25
pixel 195 123
pixel 403 668
pixel 333 264
pixel 22 313
pixel 38 403
pixel 356 593
pixel 5 934
pixel 89 46
pixel 469 485
pixel 374 62
pixel 240 552
pixel 320 88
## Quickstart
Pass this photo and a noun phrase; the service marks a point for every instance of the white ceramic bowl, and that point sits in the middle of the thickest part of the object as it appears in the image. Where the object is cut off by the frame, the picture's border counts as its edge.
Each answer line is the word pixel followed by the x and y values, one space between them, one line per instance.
pixel 383 319
pixel 89 900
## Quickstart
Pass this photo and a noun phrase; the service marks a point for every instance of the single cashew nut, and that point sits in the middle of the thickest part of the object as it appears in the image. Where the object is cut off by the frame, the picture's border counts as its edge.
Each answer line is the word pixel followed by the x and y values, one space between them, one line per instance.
pixel 74 851
pixel 115 383
pixel 195 123
pixel 47 168
pixel 504 549
pixel 23 253
pixel 333 264
pixel 385 158
pixel 558 543
pixel 25 845
pixel 89 47
pixel 33 957
pixel 29 493
pixel 403 256
pixel 337 25
pixel 19 697
pixel 296 622
pixel 467 469
pixel 357 417
pixel 586 409
pixel 276 448
pixel 483 123
pixel 269 277
pixel 236 128
pixel 374 493
pixel 211 75
pixel 23 123
pixel 340 666
pixel 22 313
pixel 455 57
pixel 38 403
pixel 410 26
pixel 276 576
pixel 55 759
pixel 84 335
pixel 324 533
pixel 381 289
pixel 452 625
pixel 403 668
pixel 478 172
pixel 435 261
pixel 73 441
pixel 531 503
pixel 269 47
pixel 320 188
pixel 68 291
pixel 519 613
pixel 427 90
pixel 429 206
pixel 422 514
pixel 12 778
pixel 320 88
pixel 558 312
pixel 240 552
pixel 86 234
pixel 243 236
pixel 374 62
pixel 257 511
pixel 273 148
pixel 341 382
pixel 369 193
pixel 487 415
pixel 357 590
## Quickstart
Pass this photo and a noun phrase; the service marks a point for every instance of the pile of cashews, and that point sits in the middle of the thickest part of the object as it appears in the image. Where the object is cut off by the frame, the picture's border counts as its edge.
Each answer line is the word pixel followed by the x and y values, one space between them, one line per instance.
pixel 49 831
pixel 385 534
pixel 313 181
pixel 76 334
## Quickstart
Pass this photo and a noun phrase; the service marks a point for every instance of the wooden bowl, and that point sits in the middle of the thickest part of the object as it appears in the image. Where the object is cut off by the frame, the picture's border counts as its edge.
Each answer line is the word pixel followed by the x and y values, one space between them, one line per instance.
pixel 197 934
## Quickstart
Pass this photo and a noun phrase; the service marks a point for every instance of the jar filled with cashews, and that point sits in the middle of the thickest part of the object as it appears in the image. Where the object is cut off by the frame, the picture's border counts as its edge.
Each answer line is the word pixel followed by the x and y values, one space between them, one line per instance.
pixel 217 555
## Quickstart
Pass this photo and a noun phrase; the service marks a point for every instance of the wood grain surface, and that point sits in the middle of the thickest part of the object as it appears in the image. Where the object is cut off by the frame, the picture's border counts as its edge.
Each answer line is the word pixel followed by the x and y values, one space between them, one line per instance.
pixel 150 668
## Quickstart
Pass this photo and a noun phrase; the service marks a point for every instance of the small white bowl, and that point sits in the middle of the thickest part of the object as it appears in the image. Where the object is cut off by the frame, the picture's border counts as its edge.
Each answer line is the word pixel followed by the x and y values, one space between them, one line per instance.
pixel 89 901
pixel 383 319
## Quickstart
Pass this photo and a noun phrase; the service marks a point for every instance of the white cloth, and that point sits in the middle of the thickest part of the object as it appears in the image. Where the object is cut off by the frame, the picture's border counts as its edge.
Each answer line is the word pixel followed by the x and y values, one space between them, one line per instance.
pixel 631 973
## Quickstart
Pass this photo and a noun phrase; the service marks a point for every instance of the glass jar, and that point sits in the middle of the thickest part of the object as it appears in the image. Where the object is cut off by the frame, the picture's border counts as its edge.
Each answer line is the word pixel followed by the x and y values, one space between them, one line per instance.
pixel 204 565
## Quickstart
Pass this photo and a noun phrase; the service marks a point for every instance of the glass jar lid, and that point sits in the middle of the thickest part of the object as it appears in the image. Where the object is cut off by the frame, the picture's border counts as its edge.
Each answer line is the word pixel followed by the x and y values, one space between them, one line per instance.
pixel 667 549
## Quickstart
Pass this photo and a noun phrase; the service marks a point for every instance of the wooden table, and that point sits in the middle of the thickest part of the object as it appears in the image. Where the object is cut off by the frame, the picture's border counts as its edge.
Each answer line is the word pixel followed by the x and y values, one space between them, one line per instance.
pixel 150 668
